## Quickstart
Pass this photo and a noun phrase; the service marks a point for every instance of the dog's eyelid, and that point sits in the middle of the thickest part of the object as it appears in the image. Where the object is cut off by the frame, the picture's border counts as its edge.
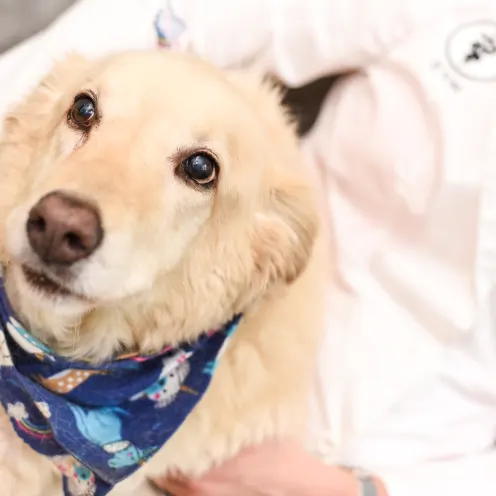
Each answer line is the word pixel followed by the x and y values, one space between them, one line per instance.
pixel 87 93
pixel 183 152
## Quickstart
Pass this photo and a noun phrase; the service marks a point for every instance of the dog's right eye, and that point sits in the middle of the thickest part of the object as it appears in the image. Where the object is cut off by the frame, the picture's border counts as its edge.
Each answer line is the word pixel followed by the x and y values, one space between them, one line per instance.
pixel 83 112
pixel 200 168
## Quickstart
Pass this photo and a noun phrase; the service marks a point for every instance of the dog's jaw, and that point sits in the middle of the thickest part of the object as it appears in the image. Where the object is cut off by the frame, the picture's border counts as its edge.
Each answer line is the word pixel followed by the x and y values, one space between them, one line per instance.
pixel 50 319
pixel 145 322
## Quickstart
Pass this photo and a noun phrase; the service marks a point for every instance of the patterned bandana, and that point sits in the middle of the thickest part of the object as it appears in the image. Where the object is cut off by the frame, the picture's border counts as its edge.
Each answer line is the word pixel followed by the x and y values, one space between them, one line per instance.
pixel 100 423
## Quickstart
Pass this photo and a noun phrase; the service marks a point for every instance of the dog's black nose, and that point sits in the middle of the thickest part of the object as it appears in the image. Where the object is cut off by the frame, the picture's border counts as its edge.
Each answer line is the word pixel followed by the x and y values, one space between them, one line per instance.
pixel 63 229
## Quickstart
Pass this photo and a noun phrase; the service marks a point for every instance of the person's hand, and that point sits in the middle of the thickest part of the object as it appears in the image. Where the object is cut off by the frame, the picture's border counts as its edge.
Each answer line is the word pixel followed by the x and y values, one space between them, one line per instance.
pixel 280 468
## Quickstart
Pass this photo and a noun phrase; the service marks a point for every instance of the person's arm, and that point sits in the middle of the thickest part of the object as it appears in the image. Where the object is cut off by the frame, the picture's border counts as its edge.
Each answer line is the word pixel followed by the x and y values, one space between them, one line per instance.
pixel 90 27
pixel 300 40
pixel 273 468
pixel 286 469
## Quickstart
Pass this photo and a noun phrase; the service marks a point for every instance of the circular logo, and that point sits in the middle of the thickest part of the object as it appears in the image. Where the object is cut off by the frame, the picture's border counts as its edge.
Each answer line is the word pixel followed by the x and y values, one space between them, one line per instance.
pixel 471 50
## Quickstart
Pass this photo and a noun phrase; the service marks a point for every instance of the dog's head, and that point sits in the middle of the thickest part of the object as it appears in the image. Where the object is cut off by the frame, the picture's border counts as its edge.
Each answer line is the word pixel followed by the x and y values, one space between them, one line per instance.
pixel 154 188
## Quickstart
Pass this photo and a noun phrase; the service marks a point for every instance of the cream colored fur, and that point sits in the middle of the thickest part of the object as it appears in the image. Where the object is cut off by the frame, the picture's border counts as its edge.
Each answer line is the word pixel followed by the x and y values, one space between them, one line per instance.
pixel 174 261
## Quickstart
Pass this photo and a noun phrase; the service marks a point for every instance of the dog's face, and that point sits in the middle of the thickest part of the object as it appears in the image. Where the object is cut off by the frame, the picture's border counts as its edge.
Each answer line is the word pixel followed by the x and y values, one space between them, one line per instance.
pixel 152 183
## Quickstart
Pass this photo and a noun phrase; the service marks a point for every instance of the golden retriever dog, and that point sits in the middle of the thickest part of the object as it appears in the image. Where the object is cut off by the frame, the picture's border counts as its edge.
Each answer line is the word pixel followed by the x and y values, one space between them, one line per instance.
pixel 147 198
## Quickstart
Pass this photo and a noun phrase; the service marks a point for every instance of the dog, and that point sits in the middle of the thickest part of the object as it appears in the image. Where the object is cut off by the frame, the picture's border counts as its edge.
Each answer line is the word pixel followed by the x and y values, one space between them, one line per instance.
pixel 148 201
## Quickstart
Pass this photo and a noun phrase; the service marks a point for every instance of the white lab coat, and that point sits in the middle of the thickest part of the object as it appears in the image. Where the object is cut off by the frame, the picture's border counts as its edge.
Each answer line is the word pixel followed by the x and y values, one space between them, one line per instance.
pixel 406 146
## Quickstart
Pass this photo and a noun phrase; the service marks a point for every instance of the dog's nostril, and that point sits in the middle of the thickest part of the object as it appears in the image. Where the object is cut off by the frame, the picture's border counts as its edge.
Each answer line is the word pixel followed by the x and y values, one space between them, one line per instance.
pixel 63 229
pixel 74 241
pixel 37 223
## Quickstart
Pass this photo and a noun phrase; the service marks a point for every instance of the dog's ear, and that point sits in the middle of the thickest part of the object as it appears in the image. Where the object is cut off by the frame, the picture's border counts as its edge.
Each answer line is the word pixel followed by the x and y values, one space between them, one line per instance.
pixel 285 232
pixel 286 227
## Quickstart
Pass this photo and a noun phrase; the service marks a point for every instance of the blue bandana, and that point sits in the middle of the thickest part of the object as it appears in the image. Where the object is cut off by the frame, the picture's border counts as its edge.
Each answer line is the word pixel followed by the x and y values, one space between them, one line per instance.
pixel 99 424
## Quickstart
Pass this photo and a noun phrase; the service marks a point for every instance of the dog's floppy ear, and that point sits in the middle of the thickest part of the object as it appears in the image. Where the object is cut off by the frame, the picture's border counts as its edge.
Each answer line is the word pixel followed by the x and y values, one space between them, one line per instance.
pixel 286 227
pixel 285 232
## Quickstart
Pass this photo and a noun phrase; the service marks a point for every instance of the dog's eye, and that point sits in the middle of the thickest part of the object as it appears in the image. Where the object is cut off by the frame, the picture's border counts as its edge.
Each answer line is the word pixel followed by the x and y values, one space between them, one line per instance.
pixel 200 168
pixel 83 112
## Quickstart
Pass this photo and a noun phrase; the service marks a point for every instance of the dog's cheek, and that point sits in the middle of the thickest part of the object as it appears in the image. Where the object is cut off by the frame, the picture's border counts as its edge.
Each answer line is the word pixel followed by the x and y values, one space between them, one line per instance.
pixel 65 142
pixel 12 186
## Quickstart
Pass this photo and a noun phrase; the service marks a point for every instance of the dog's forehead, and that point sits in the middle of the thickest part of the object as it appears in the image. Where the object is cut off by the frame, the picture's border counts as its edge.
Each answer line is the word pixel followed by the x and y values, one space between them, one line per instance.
pixel 170 93
pixel 164 81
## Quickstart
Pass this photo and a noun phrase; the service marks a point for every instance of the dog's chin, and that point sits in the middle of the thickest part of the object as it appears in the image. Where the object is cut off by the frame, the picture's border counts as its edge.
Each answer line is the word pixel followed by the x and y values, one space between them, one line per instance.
pixel 46 293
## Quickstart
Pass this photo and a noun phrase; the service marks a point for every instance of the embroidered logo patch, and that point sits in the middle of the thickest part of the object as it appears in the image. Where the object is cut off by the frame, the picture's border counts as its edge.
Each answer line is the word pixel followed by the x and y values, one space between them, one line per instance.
pixel 471 50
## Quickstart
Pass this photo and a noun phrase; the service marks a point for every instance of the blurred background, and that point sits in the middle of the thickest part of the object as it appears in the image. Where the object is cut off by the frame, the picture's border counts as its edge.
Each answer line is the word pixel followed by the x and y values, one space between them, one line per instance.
pixel 20 19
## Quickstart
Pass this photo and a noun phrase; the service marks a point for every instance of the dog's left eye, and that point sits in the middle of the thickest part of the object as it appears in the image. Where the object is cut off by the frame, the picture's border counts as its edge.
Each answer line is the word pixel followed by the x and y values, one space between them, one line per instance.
pixel 200 168
pixel 83 113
